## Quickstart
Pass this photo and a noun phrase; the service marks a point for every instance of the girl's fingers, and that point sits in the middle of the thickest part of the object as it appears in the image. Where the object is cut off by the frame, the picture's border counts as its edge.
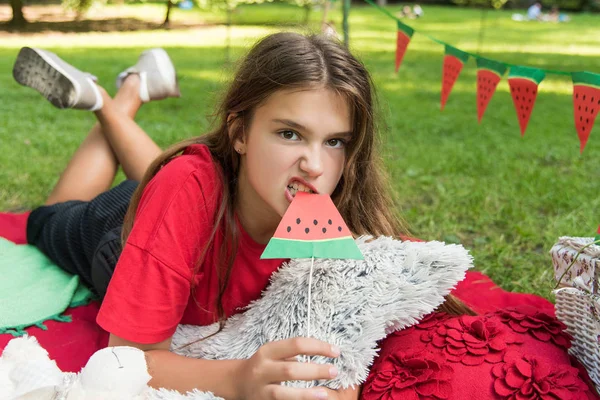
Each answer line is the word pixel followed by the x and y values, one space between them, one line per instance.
pixel 288 348
pixel 295 371
pixel 278 392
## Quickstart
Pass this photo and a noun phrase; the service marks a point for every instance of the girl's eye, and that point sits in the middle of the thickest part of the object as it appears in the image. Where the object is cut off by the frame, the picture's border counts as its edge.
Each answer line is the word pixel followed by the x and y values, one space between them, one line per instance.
pixel 336 143
pixel 289 135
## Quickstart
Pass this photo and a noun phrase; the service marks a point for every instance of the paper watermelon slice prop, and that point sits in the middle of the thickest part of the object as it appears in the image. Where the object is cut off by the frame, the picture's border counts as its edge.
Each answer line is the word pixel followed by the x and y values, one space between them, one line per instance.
pixel 523 82
pixel 404 34
pixel 454 59
pixel 489 73
pixel 312 227
pixel 586 102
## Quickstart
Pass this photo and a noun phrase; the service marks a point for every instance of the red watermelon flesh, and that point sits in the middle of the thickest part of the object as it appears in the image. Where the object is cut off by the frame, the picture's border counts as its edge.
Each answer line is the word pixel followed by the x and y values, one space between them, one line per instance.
pixel 401 45
pixel 452 68
pixel 486 86
pixel 311 217
pixel 312 227
pixel 524 93
pixel 586 102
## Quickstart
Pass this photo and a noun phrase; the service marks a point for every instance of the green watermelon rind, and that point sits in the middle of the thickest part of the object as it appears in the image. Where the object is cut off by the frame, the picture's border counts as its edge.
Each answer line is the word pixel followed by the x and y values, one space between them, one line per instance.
pixel 453 51
pixel 344 248
pixel 532 74
pixel 407 30
pixel 586 79
pixel 491 65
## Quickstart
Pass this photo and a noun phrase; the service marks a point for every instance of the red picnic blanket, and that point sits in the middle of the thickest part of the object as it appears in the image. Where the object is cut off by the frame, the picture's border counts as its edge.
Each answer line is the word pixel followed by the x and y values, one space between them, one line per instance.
pixel 72 343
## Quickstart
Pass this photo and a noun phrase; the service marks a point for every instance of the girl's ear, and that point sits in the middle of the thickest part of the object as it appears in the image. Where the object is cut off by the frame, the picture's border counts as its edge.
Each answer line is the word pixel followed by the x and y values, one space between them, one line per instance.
pixel 235 130
pixel 230 118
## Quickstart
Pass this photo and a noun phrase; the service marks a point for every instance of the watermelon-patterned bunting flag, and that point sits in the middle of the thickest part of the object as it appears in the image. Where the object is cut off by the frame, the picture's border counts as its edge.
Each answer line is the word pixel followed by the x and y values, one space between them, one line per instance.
pixel 312 227
pixel 523 82
pixel 489 73
pixel 404 34
pixel 454 59
pixel 586 102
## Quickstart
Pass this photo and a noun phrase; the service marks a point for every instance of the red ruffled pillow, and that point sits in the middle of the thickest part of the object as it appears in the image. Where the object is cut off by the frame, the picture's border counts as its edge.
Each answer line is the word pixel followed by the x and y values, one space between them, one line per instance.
pixel 516 353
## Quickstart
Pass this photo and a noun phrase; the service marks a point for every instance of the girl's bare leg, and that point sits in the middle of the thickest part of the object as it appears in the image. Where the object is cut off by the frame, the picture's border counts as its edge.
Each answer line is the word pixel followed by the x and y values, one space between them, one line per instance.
pixel 115 140
pixel 134 149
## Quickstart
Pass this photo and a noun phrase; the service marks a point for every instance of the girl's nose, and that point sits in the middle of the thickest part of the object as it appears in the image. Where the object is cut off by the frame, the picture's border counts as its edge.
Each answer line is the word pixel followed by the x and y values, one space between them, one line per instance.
pixel 312 162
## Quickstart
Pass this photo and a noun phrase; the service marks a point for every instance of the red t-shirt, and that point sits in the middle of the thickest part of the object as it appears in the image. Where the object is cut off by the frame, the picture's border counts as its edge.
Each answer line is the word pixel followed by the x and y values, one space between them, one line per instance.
pixel 149 293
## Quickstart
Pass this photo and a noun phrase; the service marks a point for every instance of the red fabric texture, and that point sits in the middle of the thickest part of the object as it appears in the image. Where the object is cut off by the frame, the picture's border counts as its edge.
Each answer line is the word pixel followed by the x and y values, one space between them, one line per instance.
pixel 149 292
pixel 480 293
pixel 514 353
pixel 12 227
pixel 70 344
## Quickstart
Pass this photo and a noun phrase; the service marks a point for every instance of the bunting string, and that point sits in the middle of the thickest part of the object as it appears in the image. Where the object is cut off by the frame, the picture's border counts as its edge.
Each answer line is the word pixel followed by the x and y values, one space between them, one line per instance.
pixel 438 41
pixel 522 81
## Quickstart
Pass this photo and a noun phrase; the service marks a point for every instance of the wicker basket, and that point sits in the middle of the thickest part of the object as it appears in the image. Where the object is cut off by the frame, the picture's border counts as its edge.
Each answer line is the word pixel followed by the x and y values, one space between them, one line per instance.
pixel 585 271
pixel 580 311
pixel 577 270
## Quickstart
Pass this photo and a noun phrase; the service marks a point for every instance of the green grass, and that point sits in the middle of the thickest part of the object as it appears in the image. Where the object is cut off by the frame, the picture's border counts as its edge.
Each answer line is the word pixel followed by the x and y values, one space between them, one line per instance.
pixel 504 197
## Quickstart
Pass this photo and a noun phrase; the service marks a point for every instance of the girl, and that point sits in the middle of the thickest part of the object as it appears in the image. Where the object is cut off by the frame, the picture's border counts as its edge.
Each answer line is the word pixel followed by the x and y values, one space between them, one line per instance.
pixel 297 116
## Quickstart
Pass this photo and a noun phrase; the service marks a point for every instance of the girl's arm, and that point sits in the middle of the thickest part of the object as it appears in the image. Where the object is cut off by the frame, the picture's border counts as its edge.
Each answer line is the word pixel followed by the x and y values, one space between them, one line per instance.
pixel 181 373
pixel 256 378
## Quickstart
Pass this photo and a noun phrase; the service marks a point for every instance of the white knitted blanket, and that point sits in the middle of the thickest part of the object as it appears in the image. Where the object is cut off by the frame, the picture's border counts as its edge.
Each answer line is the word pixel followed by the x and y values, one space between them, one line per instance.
pixel 355 303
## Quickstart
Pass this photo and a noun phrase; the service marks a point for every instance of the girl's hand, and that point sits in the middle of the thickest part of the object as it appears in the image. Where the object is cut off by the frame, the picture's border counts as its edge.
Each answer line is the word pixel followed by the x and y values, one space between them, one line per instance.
pixel 259 377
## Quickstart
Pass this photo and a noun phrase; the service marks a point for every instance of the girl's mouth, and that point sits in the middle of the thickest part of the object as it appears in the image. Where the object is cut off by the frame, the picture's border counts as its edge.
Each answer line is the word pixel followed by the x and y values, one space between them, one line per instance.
pixel 296 187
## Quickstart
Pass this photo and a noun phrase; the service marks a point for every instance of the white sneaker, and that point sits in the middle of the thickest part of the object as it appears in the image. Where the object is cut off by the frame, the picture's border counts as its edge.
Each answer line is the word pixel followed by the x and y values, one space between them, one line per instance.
pixel 158 79
pixel 62 84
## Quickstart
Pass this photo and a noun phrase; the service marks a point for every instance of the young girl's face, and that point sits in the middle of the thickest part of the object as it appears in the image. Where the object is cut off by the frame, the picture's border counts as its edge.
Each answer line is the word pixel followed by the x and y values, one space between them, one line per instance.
pixel 296 141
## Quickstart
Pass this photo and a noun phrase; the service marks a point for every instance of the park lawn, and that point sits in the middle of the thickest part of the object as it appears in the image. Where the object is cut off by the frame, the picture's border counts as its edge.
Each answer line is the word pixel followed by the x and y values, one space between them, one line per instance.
pixel 505 197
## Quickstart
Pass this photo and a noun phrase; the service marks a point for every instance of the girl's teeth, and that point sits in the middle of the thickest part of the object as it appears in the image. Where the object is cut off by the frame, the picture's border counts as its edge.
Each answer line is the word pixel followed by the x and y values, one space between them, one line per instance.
pixel 296 187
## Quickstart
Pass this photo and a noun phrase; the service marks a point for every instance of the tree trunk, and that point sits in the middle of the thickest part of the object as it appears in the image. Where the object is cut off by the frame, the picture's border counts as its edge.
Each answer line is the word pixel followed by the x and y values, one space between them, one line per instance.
pixel 168 16
pixel 18 19
pixel 326 4
pixel 228 36
pixel 585 5
pixel 307 9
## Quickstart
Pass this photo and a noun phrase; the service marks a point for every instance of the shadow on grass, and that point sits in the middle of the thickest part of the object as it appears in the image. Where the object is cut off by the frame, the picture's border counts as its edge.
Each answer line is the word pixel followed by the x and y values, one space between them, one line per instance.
pixel 124 25
pixel 98 25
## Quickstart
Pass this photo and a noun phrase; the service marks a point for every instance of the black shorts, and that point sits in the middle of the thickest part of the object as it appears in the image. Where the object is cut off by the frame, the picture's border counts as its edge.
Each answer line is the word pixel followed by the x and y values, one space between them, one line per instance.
pixel 83 237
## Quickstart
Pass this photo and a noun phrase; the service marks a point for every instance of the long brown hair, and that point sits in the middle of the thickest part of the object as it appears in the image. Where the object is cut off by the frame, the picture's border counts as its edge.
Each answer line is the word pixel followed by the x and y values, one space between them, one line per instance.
pixel 290 61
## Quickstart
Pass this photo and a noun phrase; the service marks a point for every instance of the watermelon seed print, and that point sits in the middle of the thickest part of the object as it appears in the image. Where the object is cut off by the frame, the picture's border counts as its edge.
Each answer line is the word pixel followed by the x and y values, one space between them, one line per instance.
pixel 289 228
pixel 298 221
pixel 324 230
pixel 523 83
pixel 586 89
pixel 315 222
pixel 329 222
pixel 306 230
